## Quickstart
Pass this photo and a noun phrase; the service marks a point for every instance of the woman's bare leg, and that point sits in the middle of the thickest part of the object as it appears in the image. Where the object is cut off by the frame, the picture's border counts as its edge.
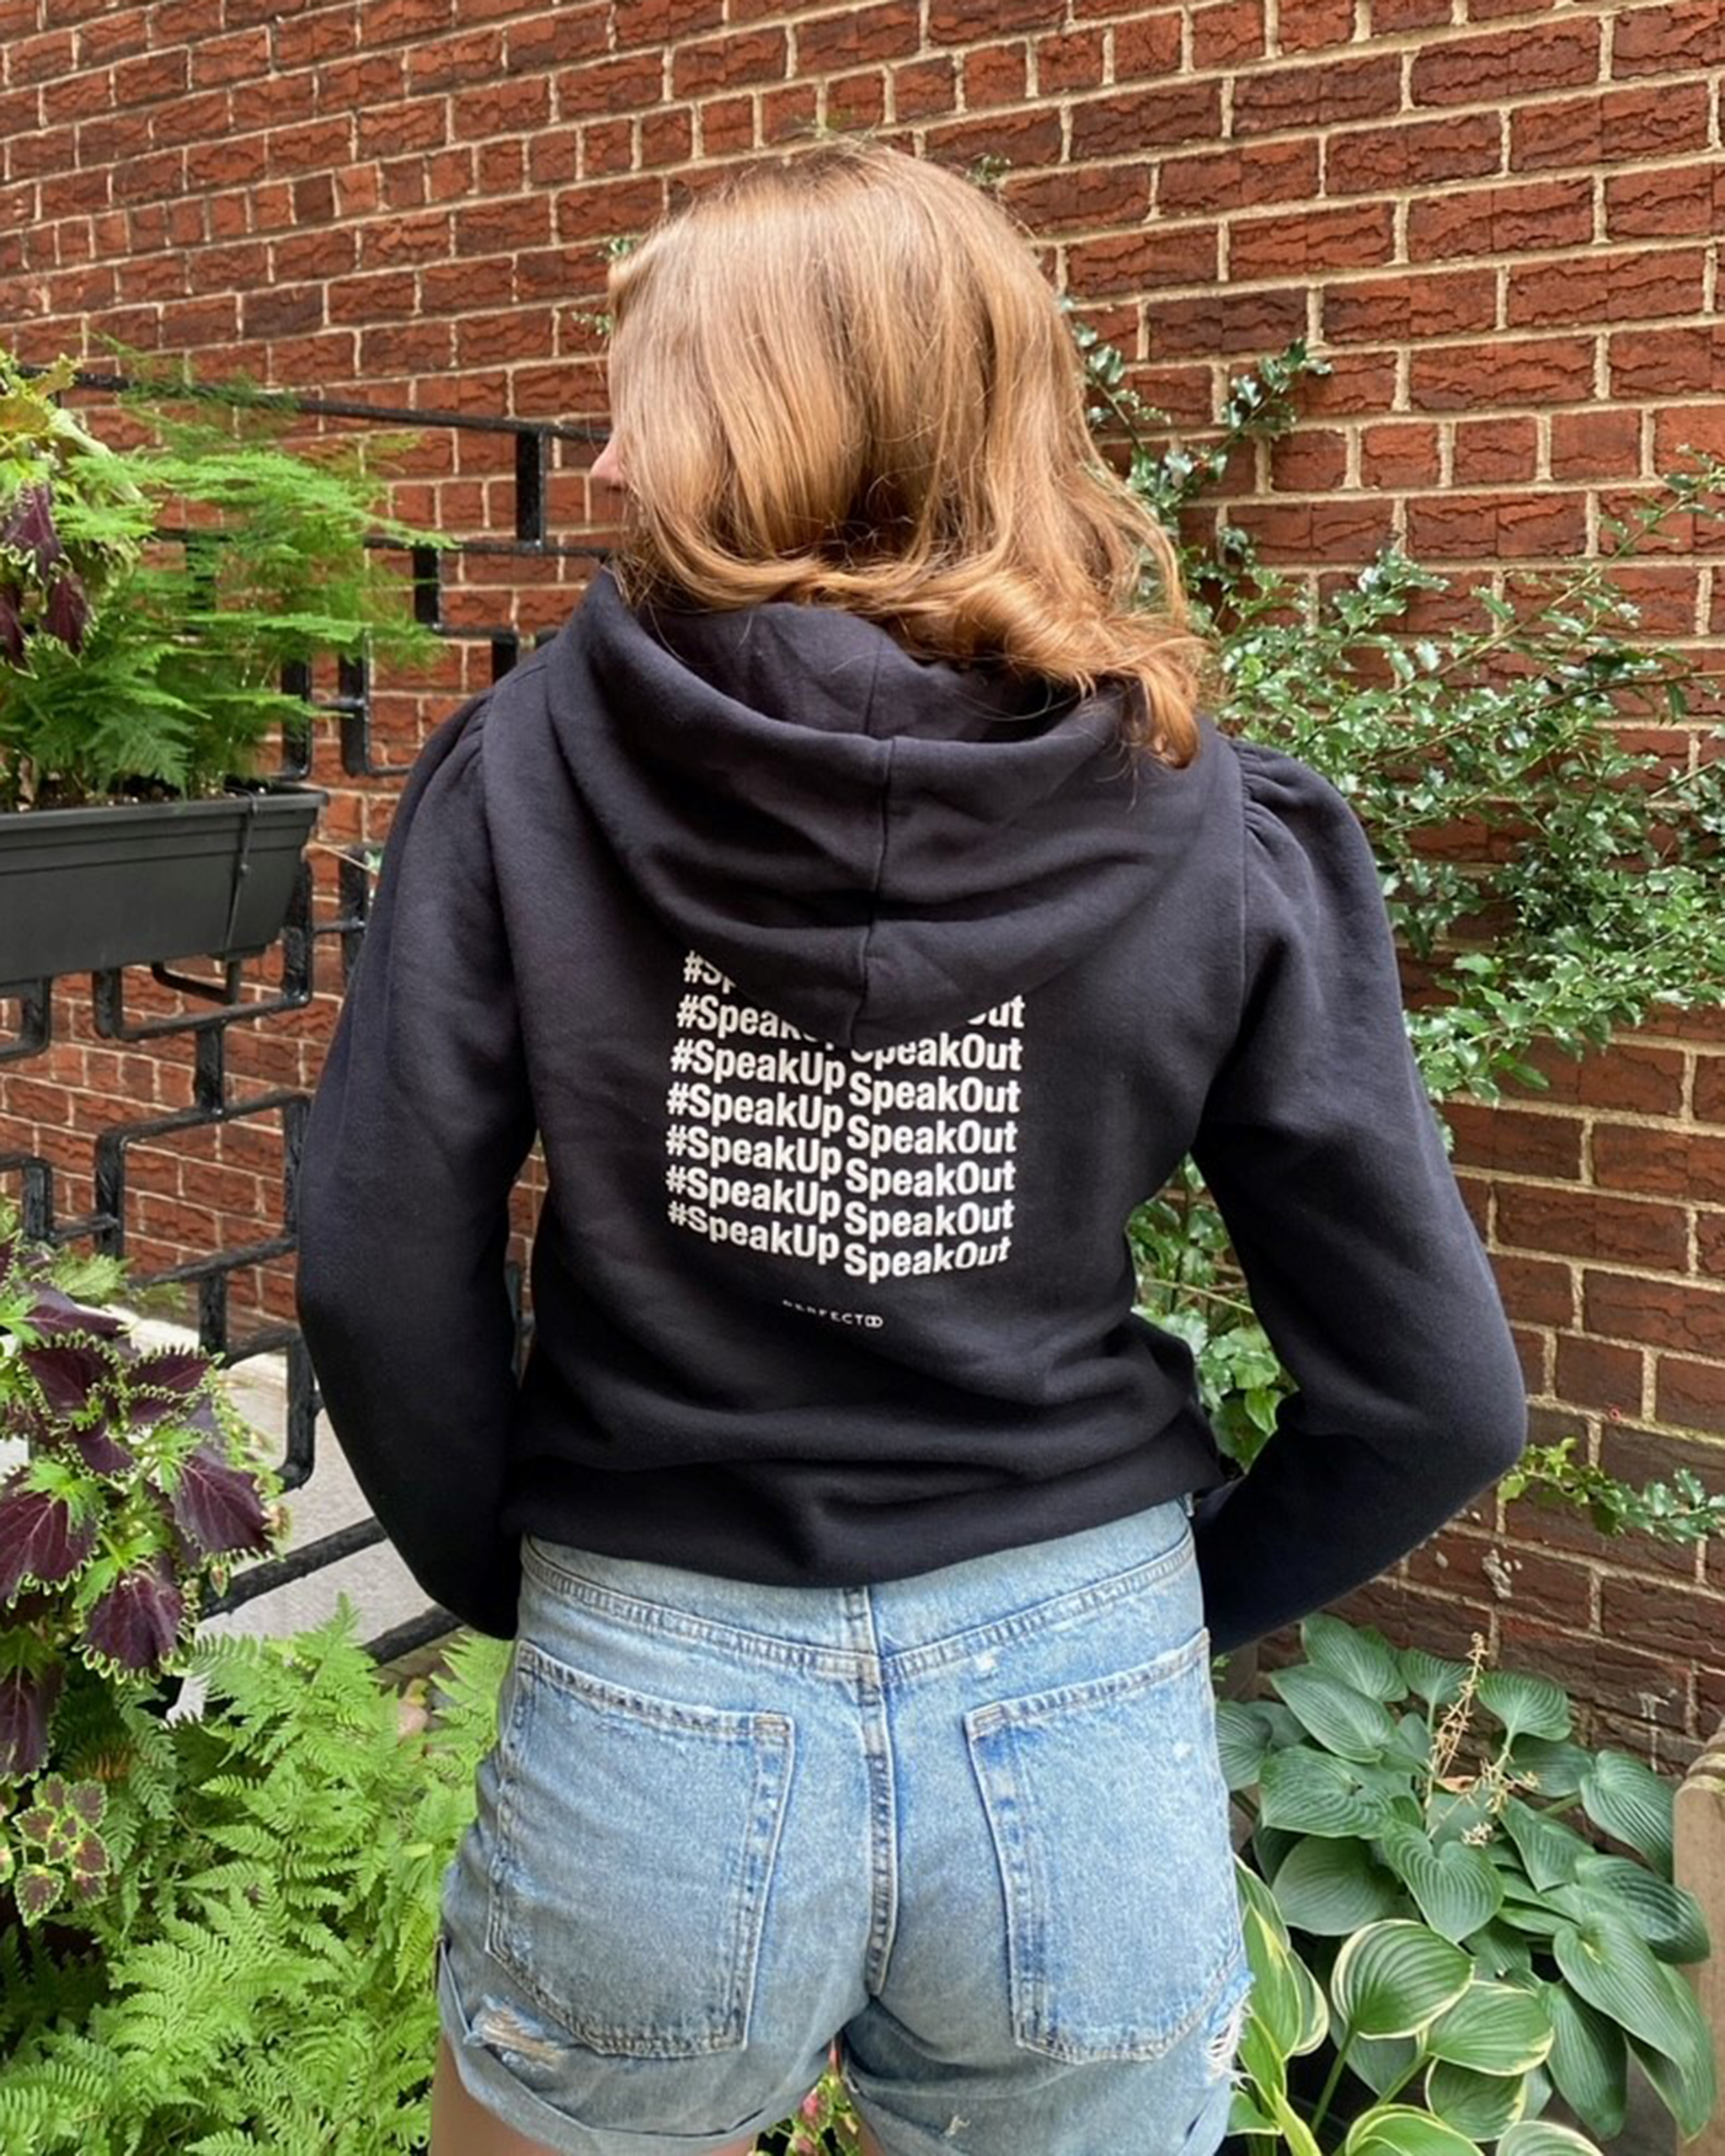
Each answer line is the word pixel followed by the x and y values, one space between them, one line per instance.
pixel 461 2127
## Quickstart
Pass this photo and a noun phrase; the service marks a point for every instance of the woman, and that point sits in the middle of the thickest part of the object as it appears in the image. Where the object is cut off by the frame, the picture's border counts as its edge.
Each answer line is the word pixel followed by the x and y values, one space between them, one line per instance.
pixel 856 903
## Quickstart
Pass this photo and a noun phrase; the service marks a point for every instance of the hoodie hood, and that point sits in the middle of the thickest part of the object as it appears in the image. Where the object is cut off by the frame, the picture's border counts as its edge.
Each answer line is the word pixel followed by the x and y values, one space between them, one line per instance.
pixel 874 846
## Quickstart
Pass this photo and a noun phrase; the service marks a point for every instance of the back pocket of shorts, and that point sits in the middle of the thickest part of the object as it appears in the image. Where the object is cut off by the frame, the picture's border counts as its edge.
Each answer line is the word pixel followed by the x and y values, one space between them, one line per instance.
pixel 1109 1816
pixel 635 1844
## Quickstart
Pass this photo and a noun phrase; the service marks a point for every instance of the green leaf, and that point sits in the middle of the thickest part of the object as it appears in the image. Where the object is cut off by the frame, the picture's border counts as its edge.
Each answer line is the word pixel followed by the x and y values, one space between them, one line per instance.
pixel 1455 1884
pixel 1243 1737
pixel 1559 1764
pixel 1352 1723
pixel 1403 2130
pixel 1497 1951
pixel 1382 2062
pixel 1544 2137
pixel 1667 1916
pixel 1613 1968
pixel 1588 2061
pixel 1549 1850
pixel 1331 1887
pixel 1687 2086
pixel 1524 1703
pixel 1481 2106
pixel 1492 2028
pixel 1358 1654
pixel 1314 1793
pixel 1629 1801
pixel 1393 1978
pixel 1434 1680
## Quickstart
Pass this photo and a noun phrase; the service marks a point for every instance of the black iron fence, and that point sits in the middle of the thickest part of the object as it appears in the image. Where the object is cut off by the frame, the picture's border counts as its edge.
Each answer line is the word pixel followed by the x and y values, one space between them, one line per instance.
pixel 303 938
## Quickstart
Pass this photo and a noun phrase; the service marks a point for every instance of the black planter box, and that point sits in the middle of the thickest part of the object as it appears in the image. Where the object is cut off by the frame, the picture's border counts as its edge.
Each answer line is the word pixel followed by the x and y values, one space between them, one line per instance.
pixel 85 889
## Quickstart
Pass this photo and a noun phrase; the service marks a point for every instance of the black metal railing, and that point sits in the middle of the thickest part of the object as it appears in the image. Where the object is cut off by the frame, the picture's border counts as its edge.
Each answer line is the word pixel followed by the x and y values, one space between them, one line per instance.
pixel 536 442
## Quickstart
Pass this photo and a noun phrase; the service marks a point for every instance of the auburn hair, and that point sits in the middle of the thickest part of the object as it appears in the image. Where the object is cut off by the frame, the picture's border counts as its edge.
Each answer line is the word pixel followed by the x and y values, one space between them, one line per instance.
pixel 841 378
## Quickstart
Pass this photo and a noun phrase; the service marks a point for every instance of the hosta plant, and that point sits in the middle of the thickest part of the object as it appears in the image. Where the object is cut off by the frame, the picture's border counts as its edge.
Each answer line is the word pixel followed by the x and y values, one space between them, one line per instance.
pixel 136 1493
pixel 1440 1947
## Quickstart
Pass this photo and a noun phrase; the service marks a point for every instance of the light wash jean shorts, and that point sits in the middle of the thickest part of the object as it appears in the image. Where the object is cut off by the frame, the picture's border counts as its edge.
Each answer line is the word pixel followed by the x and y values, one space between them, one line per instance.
pixel 971 1824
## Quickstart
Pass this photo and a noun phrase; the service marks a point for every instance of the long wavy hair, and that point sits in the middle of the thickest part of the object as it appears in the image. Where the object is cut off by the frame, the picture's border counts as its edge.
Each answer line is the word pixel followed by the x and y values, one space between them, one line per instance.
pixel 840 378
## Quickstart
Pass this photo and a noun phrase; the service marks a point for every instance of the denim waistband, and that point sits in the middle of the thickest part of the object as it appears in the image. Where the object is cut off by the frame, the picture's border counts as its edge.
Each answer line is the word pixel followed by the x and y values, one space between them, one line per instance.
pixel 914 1624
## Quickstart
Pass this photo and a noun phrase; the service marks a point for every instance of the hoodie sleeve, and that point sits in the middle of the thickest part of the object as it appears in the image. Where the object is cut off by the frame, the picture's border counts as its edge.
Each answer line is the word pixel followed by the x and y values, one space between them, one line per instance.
pixel 419 1123
pixel 1321 1144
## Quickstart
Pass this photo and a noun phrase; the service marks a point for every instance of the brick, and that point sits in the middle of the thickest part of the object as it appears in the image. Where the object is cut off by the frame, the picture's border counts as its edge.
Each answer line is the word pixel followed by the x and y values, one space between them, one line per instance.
pixel 1527 371
pixel 1510 526
pixel 1128 262
pixel 1356 236
pixel 924 86
pixel 1483 1569
pixel 728 124
pixel 1413 154
pixel 827 44
pixel 1667 202
pixel 726 63
pixel 1690 1393
pixel 474 57
pixel 1259 173
pixel 962 22
pixel 1591 1225
pixel 1082 197
pixel 1522 218
pixel 1670 41
pixel 1494 452
pixel 1662 1314
pixel 1119 124
pixel 1378 310
pixel 573 34
pixel 1223 36
pixel 627 84
pixel 1148 46
pixel 657 22
pixel 1652 1686
pixel 46 59
pixel 1598 445
pixel 1474 71
pixel 1592 1374
pixel 496 227
pixel 1312 94
pixel 304 40
pixel 1662 1617
pixel 1620 285
pixel 1312 460
pixel 596 212
pixel 1611 128
pixel 385 20
pixel 996 74
pixel 1025 138
pixel 785 115
pixel 422 125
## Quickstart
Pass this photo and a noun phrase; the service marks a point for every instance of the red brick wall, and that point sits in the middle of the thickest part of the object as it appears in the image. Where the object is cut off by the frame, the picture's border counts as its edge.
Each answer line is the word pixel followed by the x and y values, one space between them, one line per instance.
pixel 1495 217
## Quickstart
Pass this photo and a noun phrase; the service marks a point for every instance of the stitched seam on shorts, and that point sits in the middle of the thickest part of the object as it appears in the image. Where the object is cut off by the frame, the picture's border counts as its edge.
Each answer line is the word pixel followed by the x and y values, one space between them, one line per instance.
pixel 844 1663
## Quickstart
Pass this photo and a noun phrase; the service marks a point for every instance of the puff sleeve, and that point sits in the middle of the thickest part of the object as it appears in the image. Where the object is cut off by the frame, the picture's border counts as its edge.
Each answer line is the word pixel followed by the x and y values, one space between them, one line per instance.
pixel 419 1123
pixel 1323 1148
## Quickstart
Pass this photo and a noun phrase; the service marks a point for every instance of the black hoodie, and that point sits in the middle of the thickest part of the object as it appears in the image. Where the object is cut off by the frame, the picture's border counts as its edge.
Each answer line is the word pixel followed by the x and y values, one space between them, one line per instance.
pixel 857 999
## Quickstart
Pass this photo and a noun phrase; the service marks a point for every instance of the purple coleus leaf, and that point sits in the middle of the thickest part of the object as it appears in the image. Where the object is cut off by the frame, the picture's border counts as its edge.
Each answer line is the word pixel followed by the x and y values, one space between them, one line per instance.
pixel 29 528
pixel 11 636
pixel 37 1890
pixel 27 1700
pixel 177 1370
pixel 135 1623
pixel 38 1538
pixel 98 1451
pixel 53 1311
pixel 67 615
pixel 68 1375
pixel 218 1504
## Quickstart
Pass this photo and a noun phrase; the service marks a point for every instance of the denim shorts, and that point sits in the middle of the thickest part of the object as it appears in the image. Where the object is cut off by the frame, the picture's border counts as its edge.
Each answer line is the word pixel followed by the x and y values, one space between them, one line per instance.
pixel 966 1831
